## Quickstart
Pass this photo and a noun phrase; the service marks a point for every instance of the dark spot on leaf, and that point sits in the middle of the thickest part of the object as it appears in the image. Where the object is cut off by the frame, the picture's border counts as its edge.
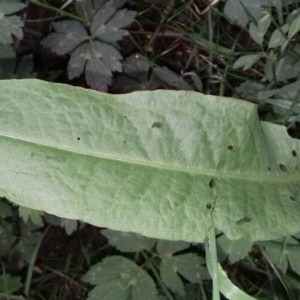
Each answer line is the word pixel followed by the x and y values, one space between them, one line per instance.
pixel 156 125
pixel 125 142
pixel 292 198
pixel 78 138
pixel 243 220
pixel 282 167
pixel 294 153
pixel 269 169
pixel 296 168
pixel 230 147
pixel 208 206
pixel 32 154
pixel 125 117
pixel 212 183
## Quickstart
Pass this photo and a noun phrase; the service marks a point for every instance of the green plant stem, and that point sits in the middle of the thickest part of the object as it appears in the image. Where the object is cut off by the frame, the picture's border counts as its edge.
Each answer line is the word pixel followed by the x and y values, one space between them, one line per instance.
pixel 290 110
pixel 157 277
pixel 210 33
pixel 278 245
pixel 58 10
pixel 203 294
pixel 212 261
pixel 32 262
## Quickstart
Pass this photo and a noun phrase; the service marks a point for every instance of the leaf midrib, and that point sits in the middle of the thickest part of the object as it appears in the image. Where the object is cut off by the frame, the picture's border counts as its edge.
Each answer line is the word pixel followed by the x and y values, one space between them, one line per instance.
pixel 285 177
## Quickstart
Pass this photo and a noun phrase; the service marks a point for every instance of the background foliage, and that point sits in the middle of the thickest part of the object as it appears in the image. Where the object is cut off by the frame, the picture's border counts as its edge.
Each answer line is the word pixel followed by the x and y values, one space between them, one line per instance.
pixel 245 49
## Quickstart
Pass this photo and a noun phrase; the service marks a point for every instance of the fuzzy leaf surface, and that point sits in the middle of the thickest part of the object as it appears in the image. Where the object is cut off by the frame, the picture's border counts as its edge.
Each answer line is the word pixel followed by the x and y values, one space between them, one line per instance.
pixel 165 164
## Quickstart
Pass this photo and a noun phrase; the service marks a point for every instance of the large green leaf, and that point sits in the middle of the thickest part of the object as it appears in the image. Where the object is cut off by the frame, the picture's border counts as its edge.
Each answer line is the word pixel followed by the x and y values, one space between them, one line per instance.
pixel 166 164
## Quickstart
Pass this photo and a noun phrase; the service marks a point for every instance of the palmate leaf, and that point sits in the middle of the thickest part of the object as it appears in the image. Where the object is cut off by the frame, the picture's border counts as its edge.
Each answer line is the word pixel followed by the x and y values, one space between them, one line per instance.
pixel 128 241
pixel 166 164
pixel 10 25
pixel 67 36
pixel 108 23
pixel 119 278
pixel 93 54
pixel 89 8
pixel 188 265
pixel 34 216
pixel 235 250
pixel 285 251
pixel 96 60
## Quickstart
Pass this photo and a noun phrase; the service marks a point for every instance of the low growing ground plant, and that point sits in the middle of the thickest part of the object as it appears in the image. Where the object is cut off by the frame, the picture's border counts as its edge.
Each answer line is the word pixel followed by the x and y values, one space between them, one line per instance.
pixel 193 188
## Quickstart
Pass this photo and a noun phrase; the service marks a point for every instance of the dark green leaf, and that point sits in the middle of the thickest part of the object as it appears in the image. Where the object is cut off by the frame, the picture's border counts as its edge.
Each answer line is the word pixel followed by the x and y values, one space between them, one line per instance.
pixel 6 237
pixel 70 226
pixel 9 283
pixel 246 61
pixel 119 278
pixel 164 247
pixel 108 23
pixel 9 68
pixel 278 37
pixel 285 251
pixel 32 215
pixel 89 8
pixel 5 208
pixel 8 7
pixel 235 250
pixel 171 78
pixel 294 27
pixel 127 241
pixel 191 266
pixel 68 36
pixel 168 273
pixel 243 11
pixel 97 61
pixel 9 26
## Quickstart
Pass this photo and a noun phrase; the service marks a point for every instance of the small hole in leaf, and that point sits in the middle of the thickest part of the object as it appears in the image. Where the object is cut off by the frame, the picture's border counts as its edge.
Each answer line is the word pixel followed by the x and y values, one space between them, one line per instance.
pixel 78 138
pixel 292 198
pixel 294 153
pixel 230 147
pixel 243 220
pixel 208 206
pixel 212 183
pixel 282 167
pixel 156 125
